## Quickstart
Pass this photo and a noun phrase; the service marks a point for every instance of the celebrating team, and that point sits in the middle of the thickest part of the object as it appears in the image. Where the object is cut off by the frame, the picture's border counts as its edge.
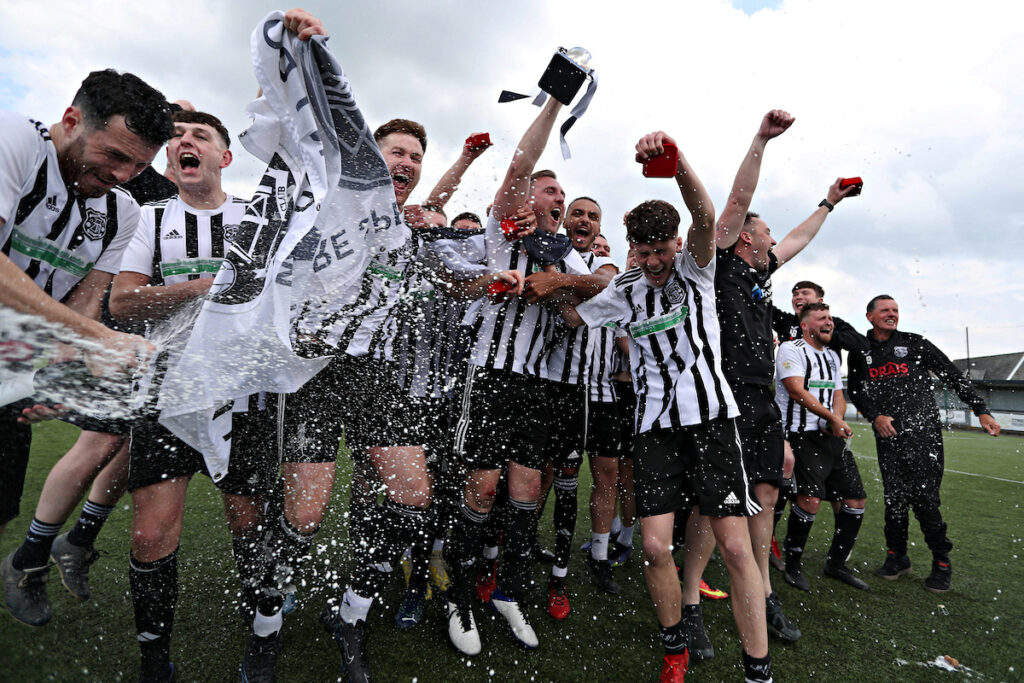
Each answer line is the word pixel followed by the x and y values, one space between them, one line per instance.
pixel 476 366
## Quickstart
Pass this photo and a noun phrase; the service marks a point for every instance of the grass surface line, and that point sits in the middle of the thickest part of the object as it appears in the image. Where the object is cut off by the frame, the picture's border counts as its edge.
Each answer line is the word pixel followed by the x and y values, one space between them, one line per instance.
pixel 948 471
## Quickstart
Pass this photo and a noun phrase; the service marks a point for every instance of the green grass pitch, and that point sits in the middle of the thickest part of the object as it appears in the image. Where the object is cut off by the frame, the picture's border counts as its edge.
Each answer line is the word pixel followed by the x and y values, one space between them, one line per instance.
pixel 888 634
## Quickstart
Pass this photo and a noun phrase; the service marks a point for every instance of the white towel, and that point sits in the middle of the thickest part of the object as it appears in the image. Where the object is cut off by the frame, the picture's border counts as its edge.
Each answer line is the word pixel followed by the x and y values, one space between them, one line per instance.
pixel 325 205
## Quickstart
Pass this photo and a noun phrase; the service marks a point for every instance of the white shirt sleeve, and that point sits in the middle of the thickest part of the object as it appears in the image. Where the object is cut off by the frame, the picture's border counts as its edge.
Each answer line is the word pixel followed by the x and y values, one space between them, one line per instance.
pixel 138 255
pixel 127 225
pixel 609 306
pixel 789 362
pixel 20 148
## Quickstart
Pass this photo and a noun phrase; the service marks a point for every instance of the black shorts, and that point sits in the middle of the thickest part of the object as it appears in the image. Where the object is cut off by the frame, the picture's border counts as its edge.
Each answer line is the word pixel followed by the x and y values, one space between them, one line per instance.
pixel 15 445
pixel 625 397
pixel 761 434
pixel 702 465
pixel 825 467
pixel 567 424
pixel 156 455
pixel 428 422
pixel 604 430
pixel 315 416
pixel 500 415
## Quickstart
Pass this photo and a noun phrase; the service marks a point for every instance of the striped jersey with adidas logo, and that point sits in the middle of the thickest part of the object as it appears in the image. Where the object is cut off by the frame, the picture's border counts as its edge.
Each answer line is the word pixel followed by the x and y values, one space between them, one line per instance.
pixel 674 343
pixel 55 236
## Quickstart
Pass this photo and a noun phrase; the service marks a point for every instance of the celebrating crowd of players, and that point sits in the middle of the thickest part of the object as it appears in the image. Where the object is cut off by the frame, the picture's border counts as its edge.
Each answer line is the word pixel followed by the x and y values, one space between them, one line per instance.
pixel 476 366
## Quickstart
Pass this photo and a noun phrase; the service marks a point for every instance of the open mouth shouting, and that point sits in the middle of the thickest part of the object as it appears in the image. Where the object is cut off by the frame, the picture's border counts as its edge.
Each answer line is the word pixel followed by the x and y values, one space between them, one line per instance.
pixel 556 213
pixel 188 161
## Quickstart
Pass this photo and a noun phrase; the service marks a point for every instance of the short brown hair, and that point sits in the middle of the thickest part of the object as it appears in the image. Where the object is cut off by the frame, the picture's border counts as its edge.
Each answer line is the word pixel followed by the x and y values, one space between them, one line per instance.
pixel 543 173
pixel 467 216
pixel 402 126
pixel 205 119
pixel 807 284
pixel 653 221
pixel 811 308
pixel 749 218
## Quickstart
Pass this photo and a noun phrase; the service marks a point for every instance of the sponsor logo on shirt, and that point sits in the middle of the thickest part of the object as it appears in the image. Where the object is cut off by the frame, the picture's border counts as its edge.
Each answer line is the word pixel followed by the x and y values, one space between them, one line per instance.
pixel 173 235
pixel 661 322
pixel 889 370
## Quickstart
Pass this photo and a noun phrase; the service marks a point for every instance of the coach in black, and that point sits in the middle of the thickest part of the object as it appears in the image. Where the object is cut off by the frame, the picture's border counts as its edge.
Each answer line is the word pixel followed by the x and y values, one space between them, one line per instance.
pixel 892 386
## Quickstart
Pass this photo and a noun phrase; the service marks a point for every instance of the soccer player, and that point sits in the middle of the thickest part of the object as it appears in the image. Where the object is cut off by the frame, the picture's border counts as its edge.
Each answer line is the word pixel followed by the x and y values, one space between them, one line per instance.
pixel 171 263
pixel 63 230
pixel 502 418
pixel 809 393
pixel 787 328
pixel 687 449
pixel 747 257
pixel 892 386
pixel 601 247
pixel 567 370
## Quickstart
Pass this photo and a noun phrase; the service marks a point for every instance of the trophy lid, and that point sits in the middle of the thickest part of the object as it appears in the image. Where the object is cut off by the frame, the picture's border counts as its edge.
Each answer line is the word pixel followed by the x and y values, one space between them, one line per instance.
pixel 580 56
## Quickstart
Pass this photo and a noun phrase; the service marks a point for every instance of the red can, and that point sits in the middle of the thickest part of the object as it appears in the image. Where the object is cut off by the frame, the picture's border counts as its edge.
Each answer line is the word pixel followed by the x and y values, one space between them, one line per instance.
pixel 847 182
pixel 511 229
pixel 479 140
pixel 664 165
pixel 499 287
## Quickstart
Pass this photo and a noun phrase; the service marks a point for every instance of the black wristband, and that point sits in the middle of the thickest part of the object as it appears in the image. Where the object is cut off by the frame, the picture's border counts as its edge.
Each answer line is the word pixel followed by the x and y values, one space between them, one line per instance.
pixel 827 204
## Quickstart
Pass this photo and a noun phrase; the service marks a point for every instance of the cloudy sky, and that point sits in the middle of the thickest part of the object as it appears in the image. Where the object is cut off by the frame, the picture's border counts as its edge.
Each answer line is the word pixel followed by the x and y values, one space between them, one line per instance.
pixel 925 103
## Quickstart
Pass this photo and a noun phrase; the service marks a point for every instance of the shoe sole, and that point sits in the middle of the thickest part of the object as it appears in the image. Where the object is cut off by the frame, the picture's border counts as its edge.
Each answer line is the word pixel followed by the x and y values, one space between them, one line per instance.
pixel 893 577
pixel 937 590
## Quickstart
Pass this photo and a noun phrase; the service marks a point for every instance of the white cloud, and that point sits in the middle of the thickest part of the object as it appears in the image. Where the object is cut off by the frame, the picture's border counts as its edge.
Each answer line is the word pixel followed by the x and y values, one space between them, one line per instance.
pixel 922 100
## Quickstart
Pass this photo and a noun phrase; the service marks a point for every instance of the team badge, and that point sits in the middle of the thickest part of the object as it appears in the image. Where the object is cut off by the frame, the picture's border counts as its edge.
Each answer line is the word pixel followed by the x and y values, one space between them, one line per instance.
pixel 225 280
pixel 674 292
pixel 794 331
pixel 867 359
pixel 95 224
pixel 900 351
pixel 229 233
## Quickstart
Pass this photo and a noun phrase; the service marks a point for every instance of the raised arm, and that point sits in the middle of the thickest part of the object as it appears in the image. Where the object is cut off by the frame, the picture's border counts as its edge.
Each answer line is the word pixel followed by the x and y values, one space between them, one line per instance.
pixel 515 189
pixel 700 239
pixel 449 182
pixel 730 223
pixel 800 236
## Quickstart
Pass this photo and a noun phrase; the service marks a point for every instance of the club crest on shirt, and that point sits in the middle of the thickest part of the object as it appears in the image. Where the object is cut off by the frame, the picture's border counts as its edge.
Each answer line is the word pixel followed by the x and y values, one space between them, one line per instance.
pixel 900 351
pixel 95 224
pixel 794 332
pixel 867 359
pixel 229 233
pixel 674 292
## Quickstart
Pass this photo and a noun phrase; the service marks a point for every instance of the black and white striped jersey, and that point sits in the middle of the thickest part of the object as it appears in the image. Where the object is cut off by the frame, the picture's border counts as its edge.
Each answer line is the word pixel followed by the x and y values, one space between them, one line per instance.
pixel 176 243
pixel 354 324
pixel 511 335
pixel 54 235
pixel 674 344
pixel 423 330
pixel 567 356
pixel 605 360
pixel 820 372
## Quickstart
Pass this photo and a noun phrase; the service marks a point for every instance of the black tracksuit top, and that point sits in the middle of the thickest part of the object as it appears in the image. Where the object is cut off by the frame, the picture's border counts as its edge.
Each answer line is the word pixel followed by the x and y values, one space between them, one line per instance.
pixel 894 378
